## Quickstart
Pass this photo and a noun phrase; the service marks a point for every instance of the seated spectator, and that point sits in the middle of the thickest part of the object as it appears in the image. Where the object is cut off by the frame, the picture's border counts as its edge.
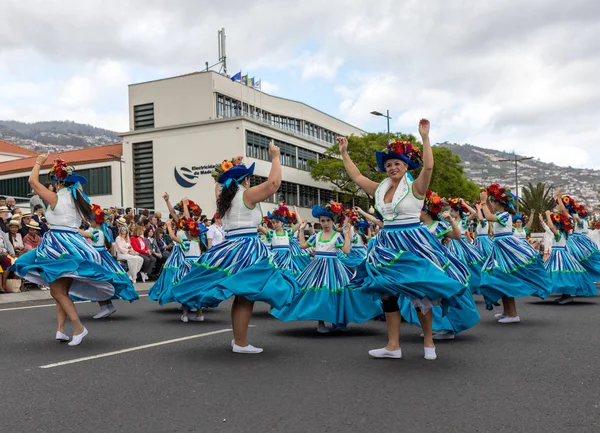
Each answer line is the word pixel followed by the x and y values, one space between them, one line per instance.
pixel 161 241
pixel 11 203
pixel 38 217
pixel 4 219
pixel 2 201
pixel 25 220
pixel 126 253
pixel 5 259
pixel 17 213
pixel 139 245
pixel 155 250
pixel 15 238
pixel 32 239
pixel 158 216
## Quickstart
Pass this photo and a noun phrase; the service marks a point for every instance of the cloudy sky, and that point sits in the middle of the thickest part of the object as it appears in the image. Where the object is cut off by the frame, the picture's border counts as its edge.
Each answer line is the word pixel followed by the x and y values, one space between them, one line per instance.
pixel 502 74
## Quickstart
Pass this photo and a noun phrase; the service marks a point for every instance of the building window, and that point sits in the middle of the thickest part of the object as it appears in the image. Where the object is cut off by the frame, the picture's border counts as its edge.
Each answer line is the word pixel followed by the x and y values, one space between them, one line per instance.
pixel 304 156
pixel 288 192
pixel 309 196
pixel 288 153
pixel 143 175
pixel 325 196
pixel 143 116
pixel 257 146
pixel 220 106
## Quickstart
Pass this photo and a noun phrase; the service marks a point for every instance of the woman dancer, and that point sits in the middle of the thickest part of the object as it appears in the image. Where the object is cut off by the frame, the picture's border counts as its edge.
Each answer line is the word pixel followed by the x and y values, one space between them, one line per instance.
pixel 405 259
pixel 360 230
pixel 514 268
pixel 569 278
pixel 280 237
pixel 101 239
pixel 64 260
pixel 456 320
pixel 240 266
pixel 461 248
pixel 521 230
pixel 583 248
pixel 485 231
pixel 324 295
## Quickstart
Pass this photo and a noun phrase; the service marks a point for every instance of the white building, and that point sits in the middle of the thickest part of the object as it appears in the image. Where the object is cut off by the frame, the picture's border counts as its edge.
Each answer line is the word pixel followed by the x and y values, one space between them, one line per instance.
pixel 180 127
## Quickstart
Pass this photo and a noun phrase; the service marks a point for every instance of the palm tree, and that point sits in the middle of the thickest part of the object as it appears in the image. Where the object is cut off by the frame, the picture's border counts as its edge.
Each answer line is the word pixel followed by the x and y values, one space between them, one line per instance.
pixel 538 197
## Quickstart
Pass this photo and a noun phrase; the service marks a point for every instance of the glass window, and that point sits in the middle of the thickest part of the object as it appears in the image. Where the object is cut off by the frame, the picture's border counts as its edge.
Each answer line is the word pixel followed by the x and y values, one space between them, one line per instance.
pixel 325 196
pixel 257 146
pixel 288 192
pixel 309 196
pixel 304 156
pixel 288 153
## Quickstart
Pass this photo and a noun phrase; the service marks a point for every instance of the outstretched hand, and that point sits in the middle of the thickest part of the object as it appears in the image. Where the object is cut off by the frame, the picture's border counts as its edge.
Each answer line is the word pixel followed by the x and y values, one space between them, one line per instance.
pixel 274 151
pixel 343 143
pixel 483 196
pixel 41 159
pixel 424 126
pixel 166 196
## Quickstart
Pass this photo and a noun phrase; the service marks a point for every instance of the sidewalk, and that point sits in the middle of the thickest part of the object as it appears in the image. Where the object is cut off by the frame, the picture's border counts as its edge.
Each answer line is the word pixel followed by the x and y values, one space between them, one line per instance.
pixel 36 295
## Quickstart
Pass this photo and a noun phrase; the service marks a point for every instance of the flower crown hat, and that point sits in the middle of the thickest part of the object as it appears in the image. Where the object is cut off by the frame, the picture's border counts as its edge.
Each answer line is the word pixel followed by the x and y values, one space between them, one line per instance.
pixel 500 195
pixel 99 218
pixel 433 203
pixel 454 204
pixel 518 217
pixel 570 204
pixel 192 207
pixel 562 222
pixel 333 210
pixel 190 226
pixel 61 172
pixel 581 211
pixel 266 220
pixel 402 150
pixel 232 171
pixel 283 214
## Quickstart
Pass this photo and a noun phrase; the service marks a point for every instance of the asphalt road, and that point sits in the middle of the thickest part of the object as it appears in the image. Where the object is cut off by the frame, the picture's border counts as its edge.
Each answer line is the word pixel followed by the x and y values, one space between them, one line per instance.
pixel 542 375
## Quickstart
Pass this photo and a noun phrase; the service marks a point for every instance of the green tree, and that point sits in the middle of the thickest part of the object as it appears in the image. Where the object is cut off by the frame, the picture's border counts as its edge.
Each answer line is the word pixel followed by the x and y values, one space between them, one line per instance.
pixel 538 197
pixel 448 176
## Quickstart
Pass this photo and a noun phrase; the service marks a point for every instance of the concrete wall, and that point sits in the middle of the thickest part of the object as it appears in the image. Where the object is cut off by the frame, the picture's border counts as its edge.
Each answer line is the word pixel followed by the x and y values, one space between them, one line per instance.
pixel 9 157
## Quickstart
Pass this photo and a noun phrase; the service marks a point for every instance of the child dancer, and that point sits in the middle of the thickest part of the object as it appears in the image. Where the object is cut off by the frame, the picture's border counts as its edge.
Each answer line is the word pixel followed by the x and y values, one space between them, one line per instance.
pixel 324 295
pixel 483 241
pixel 513 268
pixel 521 230
pixel 360 230
pixel 280 238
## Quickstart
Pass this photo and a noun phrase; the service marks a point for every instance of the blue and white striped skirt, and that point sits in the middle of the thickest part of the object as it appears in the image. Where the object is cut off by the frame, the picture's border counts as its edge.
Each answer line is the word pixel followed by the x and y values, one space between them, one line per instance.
pixel 281 257
pixel 567 274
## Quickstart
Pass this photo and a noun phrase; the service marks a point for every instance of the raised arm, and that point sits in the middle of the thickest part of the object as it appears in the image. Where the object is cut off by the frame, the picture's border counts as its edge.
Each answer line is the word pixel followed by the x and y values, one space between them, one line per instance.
pixel 455 233
pixel 186 210
pixel 34 180
pixel 368 216
pixel 347 239
pixel 170 207
pixel 479 212
pixel 301 237
pixel 530 221
pixel 486 208
pixel 472 212
pixel 298 223
pixel 561 205
pixel 550 223
pixel 172 235
pixel 367 185
pixel 263 230
pixel 267 189
pixel 421 183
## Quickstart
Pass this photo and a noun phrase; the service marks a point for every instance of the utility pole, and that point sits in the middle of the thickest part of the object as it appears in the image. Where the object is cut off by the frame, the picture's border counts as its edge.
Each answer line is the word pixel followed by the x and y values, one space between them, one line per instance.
pixel 222 53
pixel 516 161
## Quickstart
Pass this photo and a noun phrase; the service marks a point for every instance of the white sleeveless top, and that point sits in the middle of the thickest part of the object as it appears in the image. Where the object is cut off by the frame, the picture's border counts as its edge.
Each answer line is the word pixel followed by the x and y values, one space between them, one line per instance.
pixel 504 223
pixel 404 205
pixel 64 215
pixel 521 234
pixel 583 228
pixel 330 246
pixel 99 236
pixel 282 240
pixel 191 247
pixel 562 242
pixel 482 228
pixel 239 216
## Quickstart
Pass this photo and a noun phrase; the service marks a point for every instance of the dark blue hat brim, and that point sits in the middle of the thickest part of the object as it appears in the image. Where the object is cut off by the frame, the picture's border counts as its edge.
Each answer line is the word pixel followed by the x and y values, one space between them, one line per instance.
pixel 382 157
pixel 318 212
pixel 363 225
pixel 74 178
pixel 277 217
pixel 237 172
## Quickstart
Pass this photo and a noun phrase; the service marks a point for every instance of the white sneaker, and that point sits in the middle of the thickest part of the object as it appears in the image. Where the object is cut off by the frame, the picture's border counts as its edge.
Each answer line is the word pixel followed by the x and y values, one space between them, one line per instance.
pixel 61 337
pixel 44 288
pixel 197 319
pixel 184 319
pixel 249 349
pixel 144 276
pixel 104 312
pixel 193 310
pixel 430 353
pixel 443 335
pixel 78 338
pixel 233 342
pixel 507 319
pixel 112 309
pixel 384 353
pixel 322 329
pixel 499 316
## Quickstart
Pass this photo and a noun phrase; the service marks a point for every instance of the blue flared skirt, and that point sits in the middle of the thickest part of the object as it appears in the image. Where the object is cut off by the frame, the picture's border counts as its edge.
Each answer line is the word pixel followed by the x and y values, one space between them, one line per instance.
pixel 181 271
pixel 240 266
pixel 586 252
pixel 405 259
pixel 355 257
pixel 454 321
pixel 324 295
pixel 299 256
pixel 470 257
pixel 281 257
pixel 167 275
pixel 483 243
pixel 513 269
pixel 568 276
pixel 67 254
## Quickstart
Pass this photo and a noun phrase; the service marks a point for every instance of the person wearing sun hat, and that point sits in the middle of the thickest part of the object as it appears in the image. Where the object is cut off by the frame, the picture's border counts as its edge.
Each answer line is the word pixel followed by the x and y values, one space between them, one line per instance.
pixel 459 319
pixel 405 258
pixel 32 239
pixel 514 268
pixel 240 266
pixel 64 260
pixel 324 295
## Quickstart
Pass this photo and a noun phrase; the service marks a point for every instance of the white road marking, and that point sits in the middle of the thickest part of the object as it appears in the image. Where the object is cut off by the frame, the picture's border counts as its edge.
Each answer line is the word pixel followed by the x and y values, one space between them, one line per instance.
pixel 133 349
pixel 48 305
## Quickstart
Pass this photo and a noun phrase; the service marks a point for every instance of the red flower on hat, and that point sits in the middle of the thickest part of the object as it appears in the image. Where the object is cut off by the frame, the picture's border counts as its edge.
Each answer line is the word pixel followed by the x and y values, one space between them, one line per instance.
pixel 98 213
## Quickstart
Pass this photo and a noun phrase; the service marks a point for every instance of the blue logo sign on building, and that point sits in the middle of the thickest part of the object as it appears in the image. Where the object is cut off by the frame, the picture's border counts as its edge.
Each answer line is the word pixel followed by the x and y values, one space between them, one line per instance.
pixel 188 177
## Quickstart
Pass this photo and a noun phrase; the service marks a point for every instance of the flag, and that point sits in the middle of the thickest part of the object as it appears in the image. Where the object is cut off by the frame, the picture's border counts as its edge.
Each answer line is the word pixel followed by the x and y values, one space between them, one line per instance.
pixel 237 77
pixel 245 79
pixel 256 84
pixel 251 82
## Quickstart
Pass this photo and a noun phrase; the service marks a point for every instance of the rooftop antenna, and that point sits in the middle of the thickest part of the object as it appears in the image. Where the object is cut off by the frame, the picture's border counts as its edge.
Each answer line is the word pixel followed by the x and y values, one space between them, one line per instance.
pixel 222 55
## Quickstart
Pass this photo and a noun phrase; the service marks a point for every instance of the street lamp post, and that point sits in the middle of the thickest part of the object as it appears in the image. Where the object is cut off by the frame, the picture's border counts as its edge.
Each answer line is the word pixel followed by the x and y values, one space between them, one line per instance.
pixel 387 116
pixel 120 158
pixel 516 161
